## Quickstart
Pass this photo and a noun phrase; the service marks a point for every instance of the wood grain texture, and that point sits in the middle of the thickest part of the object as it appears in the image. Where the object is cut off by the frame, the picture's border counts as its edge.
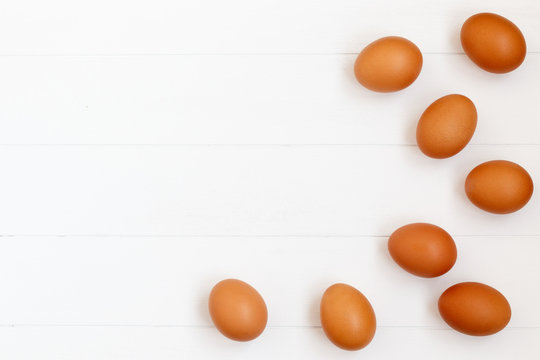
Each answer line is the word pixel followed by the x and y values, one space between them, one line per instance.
pixel 284 343
pixel 149 149
pixel 165 281
pixel 247 99
pixel 243 26
pixel 248 190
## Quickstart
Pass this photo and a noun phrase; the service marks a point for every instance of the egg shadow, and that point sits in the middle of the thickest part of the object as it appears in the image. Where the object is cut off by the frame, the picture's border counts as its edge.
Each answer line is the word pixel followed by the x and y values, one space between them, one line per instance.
pixel 387 265
pixel 413 113
pixel 454 39
pixel 433 304
pixel 388 225
pixel 382 249
pixel 314 316
pixel 459 186
pixel 202 309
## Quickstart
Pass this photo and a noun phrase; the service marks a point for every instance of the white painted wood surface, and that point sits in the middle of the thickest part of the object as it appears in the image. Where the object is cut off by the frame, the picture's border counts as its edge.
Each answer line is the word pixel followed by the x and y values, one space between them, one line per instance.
pixel 126 343
pixel 152 148
pixel 247 99
pixel 242 26
pixel 164 281
pixel 248 190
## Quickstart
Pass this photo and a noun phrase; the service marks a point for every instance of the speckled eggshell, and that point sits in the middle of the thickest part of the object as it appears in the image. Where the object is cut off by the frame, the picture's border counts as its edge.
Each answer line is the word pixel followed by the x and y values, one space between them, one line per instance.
pixel 389 64
pixel 474 309
pixel 347 317
pixel 499 186
pixel 493 42
pixel 237 310
pixel 446 126
pixel 423 249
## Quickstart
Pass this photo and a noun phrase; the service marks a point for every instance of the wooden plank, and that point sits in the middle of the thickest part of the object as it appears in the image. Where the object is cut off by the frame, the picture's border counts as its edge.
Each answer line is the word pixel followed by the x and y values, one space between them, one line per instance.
pixel 248 190
pixel 165 281
pixel 242 26
pixel 291 343
pixel 227 99
pixel 124 242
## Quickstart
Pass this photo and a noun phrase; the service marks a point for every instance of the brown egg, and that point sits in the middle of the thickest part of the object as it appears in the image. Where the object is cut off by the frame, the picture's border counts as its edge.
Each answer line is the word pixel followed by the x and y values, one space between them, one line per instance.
pixel 499 186
pixel 237 310
pixel 474 309
pixel 493 42
pixel 423 249
pixel 389 64
pixel 347 317
pixel 446 126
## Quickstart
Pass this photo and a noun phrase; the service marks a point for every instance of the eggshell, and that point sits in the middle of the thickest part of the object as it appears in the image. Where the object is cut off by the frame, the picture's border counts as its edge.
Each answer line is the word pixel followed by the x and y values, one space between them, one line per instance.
pixel 347 317
pixel 389 64
pixel 474 309
pixel 237 310
pixel 446 126
pixel 493 42
pixel 423 249
pixel 499 186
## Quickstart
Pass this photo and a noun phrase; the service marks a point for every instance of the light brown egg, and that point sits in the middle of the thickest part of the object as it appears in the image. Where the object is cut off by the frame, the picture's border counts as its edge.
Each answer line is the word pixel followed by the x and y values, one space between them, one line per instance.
pixel 347 317
pixel 499 186
pixel 389 64
pixel 446 126
pixel 474 309
pixel 237 310
pixel 493 42
pixel 423 249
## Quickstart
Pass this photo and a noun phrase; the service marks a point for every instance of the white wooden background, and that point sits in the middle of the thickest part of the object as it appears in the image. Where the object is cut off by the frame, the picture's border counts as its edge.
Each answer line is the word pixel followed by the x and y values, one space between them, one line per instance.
pixel 149 149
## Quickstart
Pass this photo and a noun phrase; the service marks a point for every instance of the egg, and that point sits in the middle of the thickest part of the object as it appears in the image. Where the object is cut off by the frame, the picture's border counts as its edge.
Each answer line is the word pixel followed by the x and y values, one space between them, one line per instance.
pixel 389 64
pixel 474 309
pixel 237 310
pixel 446 126
pixel 422 249
pixel 493 42
pixel 499 186
pixel 347 317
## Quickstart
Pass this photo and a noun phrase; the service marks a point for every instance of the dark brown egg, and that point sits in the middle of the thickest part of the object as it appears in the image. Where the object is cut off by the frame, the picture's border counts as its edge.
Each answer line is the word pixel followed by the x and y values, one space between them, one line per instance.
pixel 446 126
pixel 474 309
pixel 237 310
pixel 493 42
pixel 389 64
pixel 347 317
pixel 423 249
pixel 499 186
